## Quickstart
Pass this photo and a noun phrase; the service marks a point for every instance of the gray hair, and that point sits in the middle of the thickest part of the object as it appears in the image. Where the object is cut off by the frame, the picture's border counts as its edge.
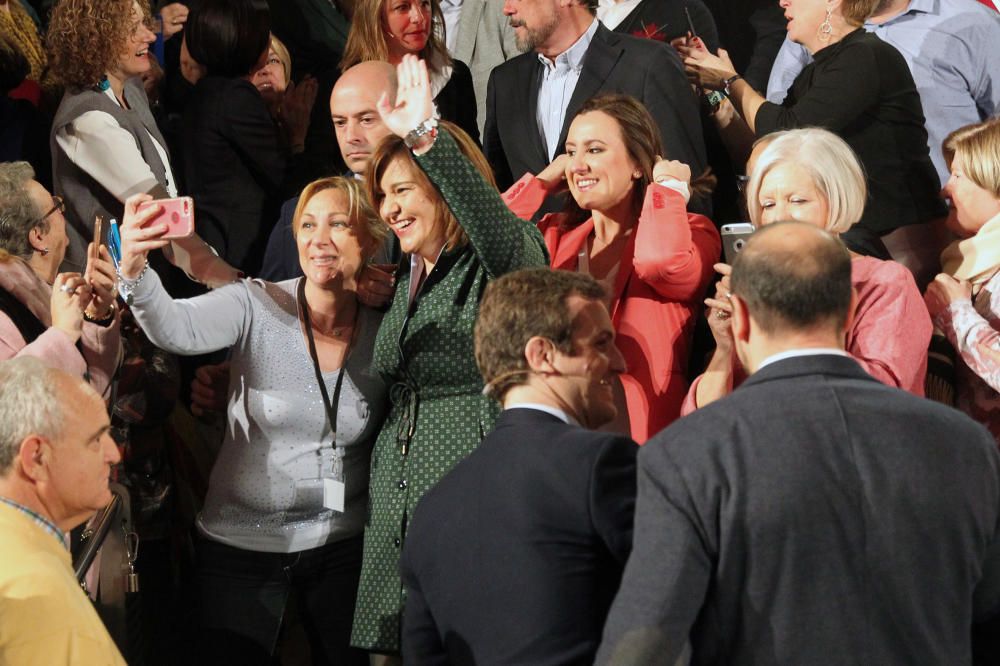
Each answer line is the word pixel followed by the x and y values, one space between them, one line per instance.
pixel 29 405
pixel 828 161
pixel 18 215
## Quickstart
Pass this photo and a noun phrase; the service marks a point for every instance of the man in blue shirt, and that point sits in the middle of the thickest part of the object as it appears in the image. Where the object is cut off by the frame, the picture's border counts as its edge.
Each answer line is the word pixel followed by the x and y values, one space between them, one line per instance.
pixel 948 46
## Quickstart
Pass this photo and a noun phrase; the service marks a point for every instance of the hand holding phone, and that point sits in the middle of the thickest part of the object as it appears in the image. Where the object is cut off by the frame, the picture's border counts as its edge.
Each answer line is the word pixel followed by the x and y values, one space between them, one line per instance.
pixel 734 237
pixel 178 213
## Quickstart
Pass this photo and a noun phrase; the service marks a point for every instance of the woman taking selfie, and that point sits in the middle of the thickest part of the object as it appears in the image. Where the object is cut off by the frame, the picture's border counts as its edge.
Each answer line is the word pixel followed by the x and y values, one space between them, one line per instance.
pixel 627 225
pixel 812 176
pixel 964 300
pixel 433 188
pixel 390 29
pixel 285 508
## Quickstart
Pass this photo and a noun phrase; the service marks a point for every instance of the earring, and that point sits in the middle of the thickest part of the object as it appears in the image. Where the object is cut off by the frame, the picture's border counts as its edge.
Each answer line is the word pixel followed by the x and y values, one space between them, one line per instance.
pixel 44 251
pixel 636 175
pixel 103 84
pixel 826 29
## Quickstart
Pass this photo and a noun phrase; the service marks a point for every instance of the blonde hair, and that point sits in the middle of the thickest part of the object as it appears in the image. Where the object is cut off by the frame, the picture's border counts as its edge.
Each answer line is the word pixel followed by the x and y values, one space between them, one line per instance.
pixel 281 51
pixel 977 149
pixel 366 40
pixel 828 161
pixel 393 147
pixel 364 219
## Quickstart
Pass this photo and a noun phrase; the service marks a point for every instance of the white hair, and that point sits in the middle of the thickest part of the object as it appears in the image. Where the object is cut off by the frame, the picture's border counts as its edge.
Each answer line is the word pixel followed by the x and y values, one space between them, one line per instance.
pixel 29 405
pixel 830 164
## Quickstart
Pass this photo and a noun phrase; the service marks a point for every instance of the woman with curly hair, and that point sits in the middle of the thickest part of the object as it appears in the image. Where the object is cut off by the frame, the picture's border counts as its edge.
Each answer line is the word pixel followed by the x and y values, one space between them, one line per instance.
pixel 105 144
pixel 389 29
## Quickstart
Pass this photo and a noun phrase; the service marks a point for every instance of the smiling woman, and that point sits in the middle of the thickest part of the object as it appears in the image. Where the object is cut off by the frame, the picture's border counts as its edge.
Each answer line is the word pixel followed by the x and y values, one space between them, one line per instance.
pixel 304 409
pixel 627 225
pixel 106 145
pixel 387 30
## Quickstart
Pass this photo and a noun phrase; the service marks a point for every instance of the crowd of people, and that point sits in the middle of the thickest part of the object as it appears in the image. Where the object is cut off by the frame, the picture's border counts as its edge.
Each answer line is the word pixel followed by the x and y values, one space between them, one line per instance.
pixel 470 355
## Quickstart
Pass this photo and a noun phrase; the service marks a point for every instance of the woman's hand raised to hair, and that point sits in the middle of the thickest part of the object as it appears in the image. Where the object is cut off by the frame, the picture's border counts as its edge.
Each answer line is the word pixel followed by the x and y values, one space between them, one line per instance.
pixel 138 240
pixel 413 98
pixel 671 170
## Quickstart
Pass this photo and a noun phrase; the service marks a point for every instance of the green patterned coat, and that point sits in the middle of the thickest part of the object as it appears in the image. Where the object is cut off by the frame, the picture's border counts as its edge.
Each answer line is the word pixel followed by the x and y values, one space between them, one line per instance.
pixel 438 413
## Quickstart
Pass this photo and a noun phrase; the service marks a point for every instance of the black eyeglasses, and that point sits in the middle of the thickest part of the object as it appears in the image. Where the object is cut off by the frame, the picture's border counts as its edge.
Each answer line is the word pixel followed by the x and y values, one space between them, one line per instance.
pixel 57 205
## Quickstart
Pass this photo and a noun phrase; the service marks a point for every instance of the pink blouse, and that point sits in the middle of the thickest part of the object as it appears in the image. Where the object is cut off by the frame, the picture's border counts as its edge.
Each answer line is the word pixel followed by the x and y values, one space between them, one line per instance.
pixel 973 328
pixel 891 329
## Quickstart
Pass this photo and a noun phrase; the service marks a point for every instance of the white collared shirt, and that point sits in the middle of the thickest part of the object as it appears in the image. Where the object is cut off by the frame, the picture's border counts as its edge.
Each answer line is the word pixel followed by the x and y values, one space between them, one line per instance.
pixel 796 353
pixel 612 13
pixel 548 409
pixel 559 79
pixel 452 10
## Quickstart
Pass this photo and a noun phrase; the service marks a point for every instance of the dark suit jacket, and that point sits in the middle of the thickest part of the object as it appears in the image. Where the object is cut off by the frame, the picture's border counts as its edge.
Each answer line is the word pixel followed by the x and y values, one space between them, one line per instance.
pixel 235 168
pixel 664 20
pixel 646 69
pixel 457 100
pixel 514 557
pixel 815 516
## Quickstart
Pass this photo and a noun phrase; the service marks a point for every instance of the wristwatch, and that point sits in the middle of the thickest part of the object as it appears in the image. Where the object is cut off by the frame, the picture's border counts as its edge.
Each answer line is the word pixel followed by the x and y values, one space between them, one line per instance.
pixel 427 128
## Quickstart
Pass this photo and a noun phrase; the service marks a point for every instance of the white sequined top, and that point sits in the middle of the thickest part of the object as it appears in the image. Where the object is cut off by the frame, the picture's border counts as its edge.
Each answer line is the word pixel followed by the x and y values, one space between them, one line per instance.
pixel 265 490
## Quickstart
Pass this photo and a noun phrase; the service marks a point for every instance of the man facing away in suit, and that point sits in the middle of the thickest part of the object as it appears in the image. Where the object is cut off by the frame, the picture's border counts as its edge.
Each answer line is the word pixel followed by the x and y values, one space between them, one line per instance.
pixel 814 516
pixel 515 556
pixel 532 98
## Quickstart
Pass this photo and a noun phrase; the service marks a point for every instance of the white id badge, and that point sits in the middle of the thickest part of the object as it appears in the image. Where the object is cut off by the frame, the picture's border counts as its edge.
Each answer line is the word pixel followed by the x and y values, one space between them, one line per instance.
pixel 334 492
pixel 334 488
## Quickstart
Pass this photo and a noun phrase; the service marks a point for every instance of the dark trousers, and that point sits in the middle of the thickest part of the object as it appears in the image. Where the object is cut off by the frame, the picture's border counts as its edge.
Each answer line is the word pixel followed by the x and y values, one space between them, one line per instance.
pixel 245 594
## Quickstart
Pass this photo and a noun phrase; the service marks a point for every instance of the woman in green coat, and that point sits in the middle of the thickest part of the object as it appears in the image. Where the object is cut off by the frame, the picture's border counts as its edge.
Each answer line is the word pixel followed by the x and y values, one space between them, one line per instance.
pixel 430 186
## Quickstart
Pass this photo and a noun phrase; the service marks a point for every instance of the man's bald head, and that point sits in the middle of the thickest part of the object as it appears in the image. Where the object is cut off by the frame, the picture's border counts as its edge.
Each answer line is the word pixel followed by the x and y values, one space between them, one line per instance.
pixel 353 108
pixel 794 277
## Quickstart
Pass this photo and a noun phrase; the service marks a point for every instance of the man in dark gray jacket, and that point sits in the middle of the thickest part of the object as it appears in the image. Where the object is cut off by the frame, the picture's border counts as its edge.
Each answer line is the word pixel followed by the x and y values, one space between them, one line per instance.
pixel 814 516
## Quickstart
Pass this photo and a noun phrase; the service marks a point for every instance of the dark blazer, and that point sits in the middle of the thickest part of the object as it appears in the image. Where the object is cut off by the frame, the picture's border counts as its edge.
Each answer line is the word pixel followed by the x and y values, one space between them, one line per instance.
pixel 515 555
pixel 814 516
pixel 234 167
pixel 646 69
pixel 457 100
pixel 664 20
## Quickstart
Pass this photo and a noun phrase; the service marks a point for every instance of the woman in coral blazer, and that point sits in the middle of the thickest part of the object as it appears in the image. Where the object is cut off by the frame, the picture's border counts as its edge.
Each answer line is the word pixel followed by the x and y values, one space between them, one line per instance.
pixel 627 225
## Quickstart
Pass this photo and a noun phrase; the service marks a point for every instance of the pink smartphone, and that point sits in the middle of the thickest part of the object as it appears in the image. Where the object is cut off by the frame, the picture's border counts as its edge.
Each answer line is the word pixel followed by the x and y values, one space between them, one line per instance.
pixel 177 213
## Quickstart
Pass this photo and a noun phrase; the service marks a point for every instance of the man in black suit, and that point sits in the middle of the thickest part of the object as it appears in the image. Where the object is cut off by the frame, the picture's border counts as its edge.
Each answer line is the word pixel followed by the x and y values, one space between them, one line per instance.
pixel 570 58
pixel 515 556
pixel 814 516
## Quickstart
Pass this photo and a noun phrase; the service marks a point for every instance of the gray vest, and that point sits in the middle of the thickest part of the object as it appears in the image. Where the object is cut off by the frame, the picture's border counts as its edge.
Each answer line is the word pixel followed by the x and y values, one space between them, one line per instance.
pixel 85 197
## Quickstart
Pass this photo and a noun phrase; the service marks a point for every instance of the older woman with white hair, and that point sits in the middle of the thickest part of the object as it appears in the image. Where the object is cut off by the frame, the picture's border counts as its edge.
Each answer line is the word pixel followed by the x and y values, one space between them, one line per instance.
pixel 812 175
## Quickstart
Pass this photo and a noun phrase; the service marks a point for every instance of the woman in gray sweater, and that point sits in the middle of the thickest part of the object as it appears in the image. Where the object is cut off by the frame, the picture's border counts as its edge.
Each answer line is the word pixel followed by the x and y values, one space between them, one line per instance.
pixel 286 501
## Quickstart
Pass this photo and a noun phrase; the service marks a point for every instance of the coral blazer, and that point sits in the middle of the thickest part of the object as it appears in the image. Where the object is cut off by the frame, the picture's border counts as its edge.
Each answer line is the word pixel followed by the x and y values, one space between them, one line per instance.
pixel 665 269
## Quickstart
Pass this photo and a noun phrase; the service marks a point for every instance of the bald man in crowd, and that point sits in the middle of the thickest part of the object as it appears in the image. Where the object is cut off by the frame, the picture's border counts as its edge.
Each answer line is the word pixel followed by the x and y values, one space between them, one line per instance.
pixel 814 516
pixel 359 129
pixel 56 454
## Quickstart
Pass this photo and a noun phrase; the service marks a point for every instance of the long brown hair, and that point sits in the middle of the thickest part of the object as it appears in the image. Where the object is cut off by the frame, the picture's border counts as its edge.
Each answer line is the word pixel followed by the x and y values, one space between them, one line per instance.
pixel 366 40
pixel 393 147
pixel 641 137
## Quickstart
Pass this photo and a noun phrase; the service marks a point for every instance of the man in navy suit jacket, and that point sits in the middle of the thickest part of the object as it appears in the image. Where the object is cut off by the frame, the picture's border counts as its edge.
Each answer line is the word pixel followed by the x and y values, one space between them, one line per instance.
pixel 814 516
pixel 515 556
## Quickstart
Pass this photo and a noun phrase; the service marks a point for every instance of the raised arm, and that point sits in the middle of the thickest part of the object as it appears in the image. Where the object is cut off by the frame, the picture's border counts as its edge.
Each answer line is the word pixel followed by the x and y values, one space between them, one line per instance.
pixel 674 251
pixel 502 241
pixel 198 325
